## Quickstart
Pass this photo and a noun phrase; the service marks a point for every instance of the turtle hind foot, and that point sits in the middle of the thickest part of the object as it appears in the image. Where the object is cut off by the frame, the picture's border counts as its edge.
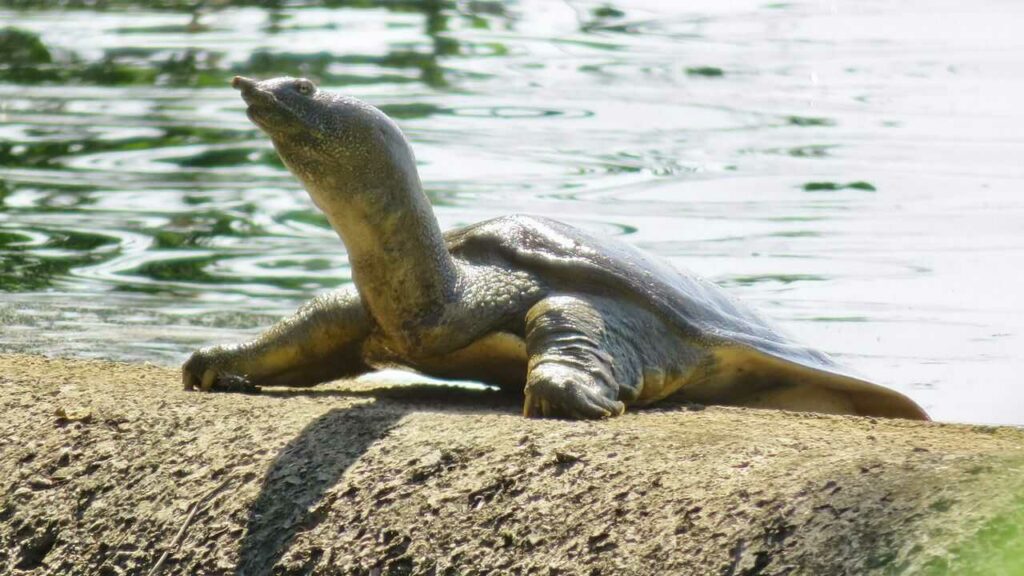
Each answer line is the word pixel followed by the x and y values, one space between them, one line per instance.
pixel 557 390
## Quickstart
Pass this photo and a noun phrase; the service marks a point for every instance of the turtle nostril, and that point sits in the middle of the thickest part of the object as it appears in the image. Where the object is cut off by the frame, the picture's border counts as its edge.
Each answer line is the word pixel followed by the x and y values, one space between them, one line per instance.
pixel 242 83
pixel 252 92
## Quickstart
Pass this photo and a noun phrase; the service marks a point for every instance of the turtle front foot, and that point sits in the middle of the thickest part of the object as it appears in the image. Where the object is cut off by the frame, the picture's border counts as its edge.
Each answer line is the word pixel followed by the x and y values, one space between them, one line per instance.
pixel 554 390
pixel 210 370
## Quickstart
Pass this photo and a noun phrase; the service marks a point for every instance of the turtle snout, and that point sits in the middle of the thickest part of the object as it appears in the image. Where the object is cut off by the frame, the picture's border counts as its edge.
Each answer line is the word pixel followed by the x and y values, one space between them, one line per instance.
pixel 251 92
pixel 242 83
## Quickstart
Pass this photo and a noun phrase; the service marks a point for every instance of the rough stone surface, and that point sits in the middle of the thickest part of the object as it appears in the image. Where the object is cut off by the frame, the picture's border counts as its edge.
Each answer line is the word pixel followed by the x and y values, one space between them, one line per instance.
pixel 104 468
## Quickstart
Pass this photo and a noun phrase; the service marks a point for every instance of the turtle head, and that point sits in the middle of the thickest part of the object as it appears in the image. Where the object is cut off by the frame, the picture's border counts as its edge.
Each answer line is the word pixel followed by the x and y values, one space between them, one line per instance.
pixel 329 141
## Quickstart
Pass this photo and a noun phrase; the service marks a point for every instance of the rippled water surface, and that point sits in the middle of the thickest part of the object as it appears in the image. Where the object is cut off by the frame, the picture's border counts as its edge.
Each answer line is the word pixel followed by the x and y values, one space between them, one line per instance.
pixel 853 169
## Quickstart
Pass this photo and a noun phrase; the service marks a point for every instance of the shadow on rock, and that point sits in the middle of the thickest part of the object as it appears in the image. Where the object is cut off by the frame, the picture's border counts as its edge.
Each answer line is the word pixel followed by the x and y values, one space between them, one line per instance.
pixel 292 497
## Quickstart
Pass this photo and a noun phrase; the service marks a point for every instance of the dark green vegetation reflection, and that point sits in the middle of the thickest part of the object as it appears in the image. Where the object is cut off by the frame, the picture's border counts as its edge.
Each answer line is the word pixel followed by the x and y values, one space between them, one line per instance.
pixel 24 57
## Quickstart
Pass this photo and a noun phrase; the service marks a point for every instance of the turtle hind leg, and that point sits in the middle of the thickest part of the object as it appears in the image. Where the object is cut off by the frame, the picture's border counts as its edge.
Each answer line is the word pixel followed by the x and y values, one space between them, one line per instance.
pixel 573 364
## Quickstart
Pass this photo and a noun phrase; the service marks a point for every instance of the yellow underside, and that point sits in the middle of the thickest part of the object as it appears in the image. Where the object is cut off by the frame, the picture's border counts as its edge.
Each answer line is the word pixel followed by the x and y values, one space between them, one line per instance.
pixel 742 377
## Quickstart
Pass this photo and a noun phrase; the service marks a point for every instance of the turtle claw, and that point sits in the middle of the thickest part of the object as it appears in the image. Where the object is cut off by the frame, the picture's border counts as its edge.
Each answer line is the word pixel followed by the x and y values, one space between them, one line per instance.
pixel 188 381
pixel 535 406
pixel 209 379
pixel 206 370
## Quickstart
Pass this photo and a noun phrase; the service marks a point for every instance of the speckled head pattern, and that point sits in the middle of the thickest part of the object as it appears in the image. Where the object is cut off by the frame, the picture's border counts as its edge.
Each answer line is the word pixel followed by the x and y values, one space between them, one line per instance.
pixel 326 139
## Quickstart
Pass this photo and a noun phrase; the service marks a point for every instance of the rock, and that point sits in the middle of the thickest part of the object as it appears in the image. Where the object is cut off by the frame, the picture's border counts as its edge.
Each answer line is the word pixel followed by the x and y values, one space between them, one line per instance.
pixel 355 478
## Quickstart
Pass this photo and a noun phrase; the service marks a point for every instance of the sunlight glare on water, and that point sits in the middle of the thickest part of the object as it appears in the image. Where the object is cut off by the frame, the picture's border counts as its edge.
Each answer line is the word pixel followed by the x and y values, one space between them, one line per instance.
pixel 852 169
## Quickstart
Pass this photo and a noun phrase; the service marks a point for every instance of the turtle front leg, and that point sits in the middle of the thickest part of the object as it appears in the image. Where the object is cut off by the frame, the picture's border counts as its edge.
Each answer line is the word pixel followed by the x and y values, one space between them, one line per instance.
pixel 321 342
pixel 573 361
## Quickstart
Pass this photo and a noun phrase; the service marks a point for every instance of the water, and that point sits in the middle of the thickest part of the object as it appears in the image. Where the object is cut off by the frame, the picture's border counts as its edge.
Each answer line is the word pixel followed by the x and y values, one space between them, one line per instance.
pixel 850 168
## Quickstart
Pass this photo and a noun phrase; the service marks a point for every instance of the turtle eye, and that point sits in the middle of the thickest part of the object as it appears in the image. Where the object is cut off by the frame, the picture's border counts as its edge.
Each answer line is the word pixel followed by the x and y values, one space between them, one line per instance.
pixel 304 87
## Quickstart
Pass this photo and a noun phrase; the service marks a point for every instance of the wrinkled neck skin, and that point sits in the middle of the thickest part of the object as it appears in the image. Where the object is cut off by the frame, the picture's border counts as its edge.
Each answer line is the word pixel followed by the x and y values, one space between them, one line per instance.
pixel 400 264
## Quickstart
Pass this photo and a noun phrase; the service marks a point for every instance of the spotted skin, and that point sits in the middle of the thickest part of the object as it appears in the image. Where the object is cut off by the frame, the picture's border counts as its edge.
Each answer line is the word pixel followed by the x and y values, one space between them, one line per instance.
pixel 584 327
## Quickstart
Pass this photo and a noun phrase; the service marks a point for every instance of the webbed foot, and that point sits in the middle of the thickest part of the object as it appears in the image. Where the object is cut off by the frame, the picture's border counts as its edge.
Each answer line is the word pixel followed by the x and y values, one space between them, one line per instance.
pixel 212 370
pixel 554 390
